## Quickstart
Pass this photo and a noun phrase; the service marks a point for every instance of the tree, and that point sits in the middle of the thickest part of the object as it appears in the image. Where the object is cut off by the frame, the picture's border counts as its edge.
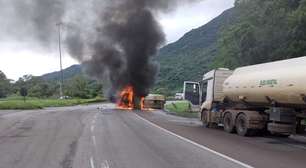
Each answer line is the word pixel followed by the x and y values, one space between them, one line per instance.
pixel 36 86
pixel 4 85
pixel 77 87
pixel 264 31
pixel 24 93
pixel 297 22
pixel 95 88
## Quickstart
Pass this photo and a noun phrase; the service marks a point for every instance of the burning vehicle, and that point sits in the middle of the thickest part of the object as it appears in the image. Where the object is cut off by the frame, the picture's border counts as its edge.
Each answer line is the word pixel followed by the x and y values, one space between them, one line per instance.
pixel 154 101
pixel 128 100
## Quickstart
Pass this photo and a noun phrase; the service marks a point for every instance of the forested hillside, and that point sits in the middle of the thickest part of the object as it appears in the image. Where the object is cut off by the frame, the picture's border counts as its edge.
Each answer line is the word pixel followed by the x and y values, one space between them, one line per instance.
pixel 68 73
pixel 192 55
pixel 265 30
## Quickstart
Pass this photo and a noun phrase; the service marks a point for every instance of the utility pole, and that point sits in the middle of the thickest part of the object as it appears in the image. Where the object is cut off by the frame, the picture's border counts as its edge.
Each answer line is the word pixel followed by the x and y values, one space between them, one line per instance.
pixel 59 24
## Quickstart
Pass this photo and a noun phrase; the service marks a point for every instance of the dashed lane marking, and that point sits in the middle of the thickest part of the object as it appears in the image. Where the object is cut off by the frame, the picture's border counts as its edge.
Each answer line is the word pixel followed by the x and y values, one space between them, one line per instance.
pixel 105 164
pixel 92 128
pixel 94 140
pixel 92 163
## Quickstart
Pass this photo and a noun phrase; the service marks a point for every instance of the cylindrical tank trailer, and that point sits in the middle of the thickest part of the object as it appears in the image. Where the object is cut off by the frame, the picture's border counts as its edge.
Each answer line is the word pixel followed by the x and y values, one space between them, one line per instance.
pixel 282 83
pixel 268 96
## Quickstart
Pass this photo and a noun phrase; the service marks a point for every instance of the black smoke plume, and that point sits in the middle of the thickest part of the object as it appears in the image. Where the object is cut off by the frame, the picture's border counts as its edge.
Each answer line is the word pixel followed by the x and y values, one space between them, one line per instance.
pixel 127 41
pixel 115 39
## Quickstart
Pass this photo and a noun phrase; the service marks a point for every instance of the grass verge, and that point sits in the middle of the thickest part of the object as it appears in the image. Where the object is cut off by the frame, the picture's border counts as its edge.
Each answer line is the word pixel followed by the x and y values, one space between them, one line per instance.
pixel 181 108
pixel 41 103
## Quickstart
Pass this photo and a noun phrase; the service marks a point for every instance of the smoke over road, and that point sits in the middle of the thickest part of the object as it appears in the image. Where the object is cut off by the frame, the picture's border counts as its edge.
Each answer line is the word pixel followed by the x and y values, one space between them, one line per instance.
pixel 115 39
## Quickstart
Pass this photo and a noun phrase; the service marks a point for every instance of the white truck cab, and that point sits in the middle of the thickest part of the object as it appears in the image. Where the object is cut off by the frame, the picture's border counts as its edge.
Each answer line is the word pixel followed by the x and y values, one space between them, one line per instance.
pixel 212 87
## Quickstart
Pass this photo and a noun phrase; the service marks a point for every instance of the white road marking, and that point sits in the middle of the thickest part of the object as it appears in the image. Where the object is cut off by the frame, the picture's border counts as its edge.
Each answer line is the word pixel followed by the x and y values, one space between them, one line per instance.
pixel 105 164
pixel 94 140
pixel 196 144
pixel 92 163
pixel 92 128
pixel 94 119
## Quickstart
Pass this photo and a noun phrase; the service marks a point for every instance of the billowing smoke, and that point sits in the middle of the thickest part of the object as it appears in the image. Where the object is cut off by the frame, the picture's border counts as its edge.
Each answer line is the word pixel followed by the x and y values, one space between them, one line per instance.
pixel 115 39
pixel 126 42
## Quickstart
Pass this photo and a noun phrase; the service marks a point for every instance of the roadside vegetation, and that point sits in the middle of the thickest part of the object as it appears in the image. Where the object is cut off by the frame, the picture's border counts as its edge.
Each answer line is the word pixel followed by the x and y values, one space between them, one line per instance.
pixel 30 92
pixel 34 103
pixel 79 86
pixel 181 108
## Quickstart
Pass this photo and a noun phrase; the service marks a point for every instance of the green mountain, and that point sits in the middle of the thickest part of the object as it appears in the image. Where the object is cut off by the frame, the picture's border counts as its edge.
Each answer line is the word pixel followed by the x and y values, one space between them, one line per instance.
pixel 264 31
pixel 68 73
pixel 76 84
pixel 192 55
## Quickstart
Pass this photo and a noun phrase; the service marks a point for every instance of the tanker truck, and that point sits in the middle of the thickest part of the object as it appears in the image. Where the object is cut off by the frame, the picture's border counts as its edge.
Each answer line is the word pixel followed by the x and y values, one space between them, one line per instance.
pixel 265 97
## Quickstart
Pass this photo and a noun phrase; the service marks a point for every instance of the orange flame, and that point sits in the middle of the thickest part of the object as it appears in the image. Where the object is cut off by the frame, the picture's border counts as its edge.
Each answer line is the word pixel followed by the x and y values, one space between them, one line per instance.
pixel 126 100
pixel 142 105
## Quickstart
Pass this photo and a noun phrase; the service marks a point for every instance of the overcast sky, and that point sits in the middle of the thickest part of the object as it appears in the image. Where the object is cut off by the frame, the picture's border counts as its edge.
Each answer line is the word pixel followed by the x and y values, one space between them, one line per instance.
pixel 16 61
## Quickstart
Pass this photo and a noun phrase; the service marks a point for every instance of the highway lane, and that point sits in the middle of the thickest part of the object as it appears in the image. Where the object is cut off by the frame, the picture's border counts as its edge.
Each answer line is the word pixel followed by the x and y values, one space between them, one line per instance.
pixel 98 136
pixel 260 151
pixel 121 139
pixel 85 136
pixel 41 138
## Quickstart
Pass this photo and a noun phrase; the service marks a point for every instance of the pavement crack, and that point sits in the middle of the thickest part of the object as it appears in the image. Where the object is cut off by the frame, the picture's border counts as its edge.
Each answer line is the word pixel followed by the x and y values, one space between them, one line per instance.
pixel 68 159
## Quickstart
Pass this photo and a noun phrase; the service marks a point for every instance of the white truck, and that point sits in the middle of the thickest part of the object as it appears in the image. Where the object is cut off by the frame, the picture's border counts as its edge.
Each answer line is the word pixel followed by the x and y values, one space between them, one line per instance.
pixel 270 96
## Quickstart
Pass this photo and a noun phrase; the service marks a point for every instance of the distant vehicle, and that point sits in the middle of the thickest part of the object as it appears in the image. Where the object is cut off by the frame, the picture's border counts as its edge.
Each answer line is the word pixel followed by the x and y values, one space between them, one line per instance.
pixel 65 97
pixel 178 96
pixel 270 96
pixel 154 101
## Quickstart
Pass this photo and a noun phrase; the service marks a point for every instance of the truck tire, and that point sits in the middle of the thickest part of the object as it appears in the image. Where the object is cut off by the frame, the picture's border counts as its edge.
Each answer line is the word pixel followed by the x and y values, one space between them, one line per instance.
pixel 204 119
pixel 242 125
pixel 228 123
pixel 300 129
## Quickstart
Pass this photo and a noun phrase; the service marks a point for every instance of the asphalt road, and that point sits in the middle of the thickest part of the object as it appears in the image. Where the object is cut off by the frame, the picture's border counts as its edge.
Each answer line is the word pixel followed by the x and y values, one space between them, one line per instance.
pixel 88 137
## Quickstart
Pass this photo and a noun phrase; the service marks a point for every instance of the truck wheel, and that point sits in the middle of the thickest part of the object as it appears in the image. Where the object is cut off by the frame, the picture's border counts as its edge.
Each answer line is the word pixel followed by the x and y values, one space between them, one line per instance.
pixel 228 123
pixel 204 119
pixel 242 125
pixel 300 129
